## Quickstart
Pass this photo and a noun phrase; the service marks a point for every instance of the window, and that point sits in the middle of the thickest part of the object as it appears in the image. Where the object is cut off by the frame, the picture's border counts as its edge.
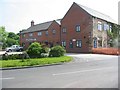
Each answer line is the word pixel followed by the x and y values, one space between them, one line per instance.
pixel 99 39
pixel 79 43
pixel 53 31
pixel 78 28
pixel 71 44
pixel 39 33
pixel 63 43
pixel 95 42
pixel 99 26
pixel 106 27
pixel 30 34
pixel 46 33
pixel 23 35
pixel 110 28
pixel 64 30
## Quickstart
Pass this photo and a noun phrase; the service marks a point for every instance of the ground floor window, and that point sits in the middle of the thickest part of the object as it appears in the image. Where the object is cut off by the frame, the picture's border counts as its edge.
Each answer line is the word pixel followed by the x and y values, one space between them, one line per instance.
pixel 99 41
pixel 95 42
pixel 71 44
pixel 79 43
pixel 63 43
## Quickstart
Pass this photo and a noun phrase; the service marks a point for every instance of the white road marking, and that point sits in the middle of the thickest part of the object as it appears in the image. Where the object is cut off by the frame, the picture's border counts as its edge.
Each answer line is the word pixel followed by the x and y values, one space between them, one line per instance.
pixel 82 71
pixel 7 78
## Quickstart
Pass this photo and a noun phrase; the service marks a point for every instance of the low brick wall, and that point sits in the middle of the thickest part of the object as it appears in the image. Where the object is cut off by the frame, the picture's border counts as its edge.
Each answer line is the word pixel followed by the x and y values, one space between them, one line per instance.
pixel 108 51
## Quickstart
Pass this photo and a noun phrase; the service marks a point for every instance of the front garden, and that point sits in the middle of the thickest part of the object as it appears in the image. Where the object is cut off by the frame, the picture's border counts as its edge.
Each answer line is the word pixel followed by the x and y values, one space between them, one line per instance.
pixel 36 54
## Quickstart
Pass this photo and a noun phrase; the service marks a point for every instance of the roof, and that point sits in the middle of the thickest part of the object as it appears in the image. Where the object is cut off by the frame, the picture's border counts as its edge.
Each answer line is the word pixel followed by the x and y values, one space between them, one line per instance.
pixel 58 21
pixel 38 27
pixel 97 14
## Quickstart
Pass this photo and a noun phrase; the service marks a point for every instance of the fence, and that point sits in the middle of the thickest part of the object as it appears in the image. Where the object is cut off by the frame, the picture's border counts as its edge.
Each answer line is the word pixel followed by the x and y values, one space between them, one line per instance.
pixel 108 51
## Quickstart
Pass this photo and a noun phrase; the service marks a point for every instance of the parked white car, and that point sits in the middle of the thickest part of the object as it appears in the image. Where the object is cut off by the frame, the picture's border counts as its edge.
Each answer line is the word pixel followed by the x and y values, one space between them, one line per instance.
pixel 14 48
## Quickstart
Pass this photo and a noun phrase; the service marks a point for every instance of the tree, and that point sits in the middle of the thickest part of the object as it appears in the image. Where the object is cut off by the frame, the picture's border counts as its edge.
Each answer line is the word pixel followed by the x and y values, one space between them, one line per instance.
pixel 57 51
pixel 3 36
pixel 12 39
pixel 13 36
pixel 114 35
pixel 34 50
pixel 8 38
pixel 11 42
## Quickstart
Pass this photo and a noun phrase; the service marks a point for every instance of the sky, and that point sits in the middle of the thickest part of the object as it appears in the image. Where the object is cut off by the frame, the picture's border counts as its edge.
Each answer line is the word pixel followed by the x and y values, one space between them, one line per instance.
pixel 17 14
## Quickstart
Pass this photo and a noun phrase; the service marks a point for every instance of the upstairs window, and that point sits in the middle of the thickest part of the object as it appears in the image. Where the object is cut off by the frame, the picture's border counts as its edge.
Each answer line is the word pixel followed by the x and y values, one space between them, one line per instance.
pixel 53 31
pixel 106 27
pixel 79 43
pixel 39 33
pixel 110 28
pixel 23 35
pixel 64 30
pixel 30 34
pixel 46 33
pixel 63 43
pixel 78 28
pixel 99 26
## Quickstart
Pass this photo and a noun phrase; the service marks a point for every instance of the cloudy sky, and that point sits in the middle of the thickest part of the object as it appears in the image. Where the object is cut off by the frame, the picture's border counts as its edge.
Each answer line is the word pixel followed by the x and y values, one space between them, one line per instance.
pixel 17 14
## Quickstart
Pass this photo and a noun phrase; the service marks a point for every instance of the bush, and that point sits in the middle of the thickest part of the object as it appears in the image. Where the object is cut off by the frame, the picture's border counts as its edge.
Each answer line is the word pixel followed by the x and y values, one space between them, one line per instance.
pixel 45 50
pixel 57 51
pixel 22 56
pixel 34 50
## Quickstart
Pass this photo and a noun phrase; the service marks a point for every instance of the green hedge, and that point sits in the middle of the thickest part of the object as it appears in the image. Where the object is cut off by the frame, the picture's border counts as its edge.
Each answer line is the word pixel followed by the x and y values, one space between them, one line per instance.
pixel 57 51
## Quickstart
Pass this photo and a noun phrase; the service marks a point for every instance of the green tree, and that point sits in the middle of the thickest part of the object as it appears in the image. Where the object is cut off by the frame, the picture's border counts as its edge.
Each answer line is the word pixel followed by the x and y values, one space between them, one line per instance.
pixel 13 36
pixel 12 39
pixel 34 50
pixel 57 51
pixel 3 36
pixel 11 42
pixel 114 35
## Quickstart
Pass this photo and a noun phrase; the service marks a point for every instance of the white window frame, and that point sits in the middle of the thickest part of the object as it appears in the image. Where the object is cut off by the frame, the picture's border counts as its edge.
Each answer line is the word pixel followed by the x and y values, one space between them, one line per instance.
pixel 77 28
pixel 79 43
pixel 106 27
pixel 110 28
pixel 99 26
pixel 64 30
pixel 30 34
pixel 46 33
pixel 39 33
pixel 53 31
pixel 64 43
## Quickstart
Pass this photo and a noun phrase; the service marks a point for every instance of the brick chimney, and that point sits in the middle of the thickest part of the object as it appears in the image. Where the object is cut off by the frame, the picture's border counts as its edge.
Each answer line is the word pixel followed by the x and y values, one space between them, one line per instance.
pixel 32 23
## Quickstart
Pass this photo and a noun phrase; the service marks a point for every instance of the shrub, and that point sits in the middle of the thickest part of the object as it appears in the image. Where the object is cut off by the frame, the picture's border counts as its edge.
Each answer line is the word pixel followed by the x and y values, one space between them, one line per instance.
pixel 45 50
pixel 22 56
pixel 34 50
pixel 5 56
pixel 57 51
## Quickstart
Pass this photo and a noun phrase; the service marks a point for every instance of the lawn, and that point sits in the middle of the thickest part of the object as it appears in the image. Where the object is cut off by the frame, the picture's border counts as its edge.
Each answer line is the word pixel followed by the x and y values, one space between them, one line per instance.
pixel 32 62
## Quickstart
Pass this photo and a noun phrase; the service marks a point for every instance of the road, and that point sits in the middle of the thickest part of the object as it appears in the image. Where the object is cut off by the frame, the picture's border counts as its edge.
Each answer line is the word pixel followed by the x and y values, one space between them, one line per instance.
pixel 85 71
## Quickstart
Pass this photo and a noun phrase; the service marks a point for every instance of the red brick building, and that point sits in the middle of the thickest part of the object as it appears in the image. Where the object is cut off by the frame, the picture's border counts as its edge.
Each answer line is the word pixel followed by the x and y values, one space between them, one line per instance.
pixel 45 33
pixel 80 30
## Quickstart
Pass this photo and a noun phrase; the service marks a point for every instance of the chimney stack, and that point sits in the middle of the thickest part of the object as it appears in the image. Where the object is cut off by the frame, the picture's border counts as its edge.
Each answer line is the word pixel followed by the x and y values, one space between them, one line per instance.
pixel 32 23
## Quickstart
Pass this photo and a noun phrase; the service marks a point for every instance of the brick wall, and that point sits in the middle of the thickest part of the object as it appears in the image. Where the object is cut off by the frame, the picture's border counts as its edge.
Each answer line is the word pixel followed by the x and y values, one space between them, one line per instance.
pixel 53 38
pixel 77 16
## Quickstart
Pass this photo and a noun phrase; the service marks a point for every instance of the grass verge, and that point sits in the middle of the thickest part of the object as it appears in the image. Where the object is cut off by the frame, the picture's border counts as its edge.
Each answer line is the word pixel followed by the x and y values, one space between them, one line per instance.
pixel 32 62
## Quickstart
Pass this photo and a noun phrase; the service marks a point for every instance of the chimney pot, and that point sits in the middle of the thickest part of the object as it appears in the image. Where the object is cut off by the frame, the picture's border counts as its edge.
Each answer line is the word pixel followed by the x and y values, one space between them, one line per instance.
pixel 32 23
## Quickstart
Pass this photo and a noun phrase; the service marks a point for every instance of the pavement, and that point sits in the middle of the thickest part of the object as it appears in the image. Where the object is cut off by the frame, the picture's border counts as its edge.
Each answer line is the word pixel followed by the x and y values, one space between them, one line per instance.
pixel 85 71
